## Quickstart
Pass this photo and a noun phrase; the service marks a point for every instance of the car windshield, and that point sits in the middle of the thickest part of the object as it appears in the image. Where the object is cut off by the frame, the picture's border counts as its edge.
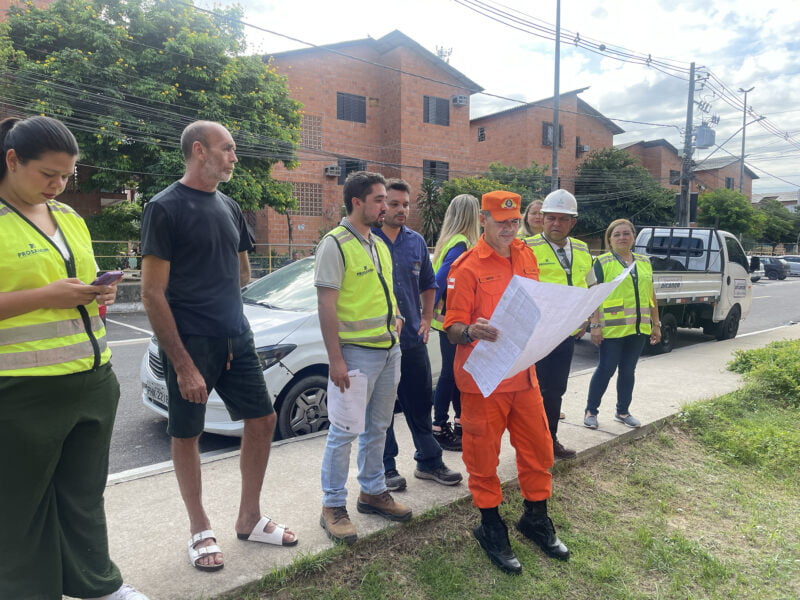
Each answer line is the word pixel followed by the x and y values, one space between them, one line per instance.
pixel 288 288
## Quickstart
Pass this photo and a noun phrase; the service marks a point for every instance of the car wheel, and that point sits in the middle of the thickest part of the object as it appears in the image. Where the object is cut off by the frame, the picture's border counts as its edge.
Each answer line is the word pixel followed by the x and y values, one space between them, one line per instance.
pixel 304 408
pixel 772 274
pixel 669 329
pixel 729 327
pixel 782 276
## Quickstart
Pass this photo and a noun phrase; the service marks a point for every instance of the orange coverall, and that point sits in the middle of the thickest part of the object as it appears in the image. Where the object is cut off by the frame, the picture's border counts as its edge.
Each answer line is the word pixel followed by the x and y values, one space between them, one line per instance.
pixel 475 284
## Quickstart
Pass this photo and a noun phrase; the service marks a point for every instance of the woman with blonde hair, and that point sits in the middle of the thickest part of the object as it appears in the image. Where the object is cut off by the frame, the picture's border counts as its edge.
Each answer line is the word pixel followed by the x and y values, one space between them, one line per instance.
pixel 532 221
pixel 460 231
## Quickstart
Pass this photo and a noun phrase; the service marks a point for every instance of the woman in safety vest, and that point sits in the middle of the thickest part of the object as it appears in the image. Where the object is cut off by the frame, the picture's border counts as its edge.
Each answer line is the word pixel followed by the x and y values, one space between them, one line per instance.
pixel 58 394
pixel 460 231
pixel 532 220
pixel 623 323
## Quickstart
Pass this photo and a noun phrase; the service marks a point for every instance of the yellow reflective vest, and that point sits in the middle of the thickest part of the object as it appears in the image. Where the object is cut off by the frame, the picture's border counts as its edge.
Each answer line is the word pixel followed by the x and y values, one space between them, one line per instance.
pixel 439 309
pixel 550 268
pixel 366 308
pixel 627 310
pixel 48 341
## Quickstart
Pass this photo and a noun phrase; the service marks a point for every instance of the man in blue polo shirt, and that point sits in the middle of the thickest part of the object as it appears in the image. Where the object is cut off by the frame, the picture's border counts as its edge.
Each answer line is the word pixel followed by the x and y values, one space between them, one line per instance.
pixel 414 288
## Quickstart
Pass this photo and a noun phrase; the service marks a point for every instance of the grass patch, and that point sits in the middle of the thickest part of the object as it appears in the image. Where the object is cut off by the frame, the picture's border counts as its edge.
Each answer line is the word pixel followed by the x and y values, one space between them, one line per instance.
pixel 704 508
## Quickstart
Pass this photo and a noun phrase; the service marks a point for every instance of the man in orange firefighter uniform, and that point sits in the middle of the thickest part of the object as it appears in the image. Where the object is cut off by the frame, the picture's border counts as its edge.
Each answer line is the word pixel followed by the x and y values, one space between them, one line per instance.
pixel 476 283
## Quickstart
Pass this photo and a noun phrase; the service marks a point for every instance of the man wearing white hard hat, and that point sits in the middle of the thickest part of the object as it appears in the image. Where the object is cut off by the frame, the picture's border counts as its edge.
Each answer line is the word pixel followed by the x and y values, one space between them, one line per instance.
pixel 566 261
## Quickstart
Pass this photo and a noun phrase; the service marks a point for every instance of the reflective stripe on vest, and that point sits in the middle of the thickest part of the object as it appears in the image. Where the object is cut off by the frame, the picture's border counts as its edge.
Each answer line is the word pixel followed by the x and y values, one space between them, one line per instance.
pixel 365 306
pixel 621 314
pixel 550 268
pixel 48 341
pixel 439 310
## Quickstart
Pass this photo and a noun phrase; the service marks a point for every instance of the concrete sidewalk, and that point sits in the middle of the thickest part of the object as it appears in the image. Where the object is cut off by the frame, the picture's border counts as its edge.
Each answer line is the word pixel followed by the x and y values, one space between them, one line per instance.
pixel 148 527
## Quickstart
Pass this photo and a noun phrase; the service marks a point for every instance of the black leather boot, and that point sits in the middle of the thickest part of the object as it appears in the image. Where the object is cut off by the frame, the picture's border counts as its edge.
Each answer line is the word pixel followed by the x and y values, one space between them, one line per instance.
pixel 540 530
pixel 493 538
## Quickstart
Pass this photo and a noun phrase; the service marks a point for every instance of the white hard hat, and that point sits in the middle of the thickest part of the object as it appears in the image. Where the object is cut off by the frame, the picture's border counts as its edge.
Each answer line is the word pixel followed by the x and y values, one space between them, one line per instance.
pixel 560 201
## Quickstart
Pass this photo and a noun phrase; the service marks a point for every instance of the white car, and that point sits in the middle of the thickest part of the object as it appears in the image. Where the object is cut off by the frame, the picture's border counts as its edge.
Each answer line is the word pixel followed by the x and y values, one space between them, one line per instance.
pixel 794 264
pixel 282 310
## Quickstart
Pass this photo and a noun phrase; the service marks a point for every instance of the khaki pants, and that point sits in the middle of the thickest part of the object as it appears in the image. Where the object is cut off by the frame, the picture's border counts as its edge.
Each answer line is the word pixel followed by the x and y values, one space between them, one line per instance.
pixel 54 440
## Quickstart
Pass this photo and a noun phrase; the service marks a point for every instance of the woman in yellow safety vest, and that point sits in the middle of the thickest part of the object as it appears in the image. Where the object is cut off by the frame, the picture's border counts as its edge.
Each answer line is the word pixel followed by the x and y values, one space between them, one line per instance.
pixel 58 395
pixel 623 323
pixel 460 231
pixel 532 221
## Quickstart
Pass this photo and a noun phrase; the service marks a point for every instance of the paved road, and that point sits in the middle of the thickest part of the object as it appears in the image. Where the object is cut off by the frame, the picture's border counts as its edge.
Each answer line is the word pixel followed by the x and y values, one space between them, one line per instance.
pixel 139 435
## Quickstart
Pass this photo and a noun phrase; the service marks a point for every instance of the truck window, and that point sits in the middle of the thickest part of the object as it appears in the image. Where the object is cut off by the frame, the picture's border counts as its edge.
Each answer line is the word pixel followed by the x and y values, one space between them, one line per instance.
pixel 735 252
pixel 675 246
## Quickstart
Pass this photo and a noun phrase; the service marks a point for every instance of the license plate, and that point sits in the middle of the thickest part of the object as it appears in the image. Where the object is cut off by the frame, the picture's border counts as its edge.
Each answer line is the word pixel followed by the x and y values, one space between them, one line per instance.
pixel 156 394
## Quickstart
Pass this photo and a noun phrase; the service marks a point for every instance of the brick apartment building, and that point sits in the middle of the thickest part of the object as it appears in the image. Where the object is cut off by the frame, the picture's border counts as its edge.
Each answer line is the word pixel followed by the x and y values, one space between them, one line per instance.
pixel 663 161
pixel 524 134
pixel 409 120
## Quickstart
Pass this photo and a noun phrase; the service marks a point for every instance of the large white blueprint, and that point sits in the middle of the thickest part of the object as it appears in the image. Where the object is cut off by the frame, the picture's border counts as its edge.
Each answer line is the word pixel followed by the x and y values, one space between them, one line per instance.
pixel 532 318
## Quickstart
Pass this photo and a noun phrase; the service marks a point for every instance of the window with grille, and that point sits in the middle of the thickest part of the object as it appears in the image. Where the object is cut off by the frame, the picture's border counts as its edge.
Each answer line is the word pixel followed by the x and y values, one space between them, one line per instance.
pixel 481 134
pixel 674 177
pixel 350 165
pixel 309 199
pixel 729 183
pixel 350 107
pixel 436 169
pixel 311 132
pixel 436 110
pixel 547 135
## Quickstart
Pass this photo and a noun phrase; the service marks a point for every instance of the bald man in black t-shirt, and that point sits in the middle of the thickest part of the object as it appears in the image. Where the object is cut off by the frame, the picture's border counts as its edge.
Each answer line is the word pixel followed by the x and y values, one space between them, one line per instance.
pixel 194 247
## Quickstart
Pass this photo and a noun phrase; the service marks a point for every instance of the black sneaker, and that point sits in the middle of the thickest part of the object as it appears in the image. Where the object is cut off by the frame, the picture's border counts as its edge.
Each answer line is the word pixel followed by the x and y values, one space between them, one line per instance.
pixel 394 481
pixel 441 475
pixel 447 439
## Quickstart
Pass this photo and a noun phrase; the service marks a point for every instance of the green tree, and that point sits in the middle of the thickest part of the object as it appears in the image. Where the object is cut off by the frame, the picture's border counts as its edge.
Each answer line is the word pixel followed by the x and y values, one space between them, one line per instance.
pixel 779 223
pixel 530 183
pixel 729 210
pixel 432 209
pixel 128 75
pixel 117 223
pixel 475 186
pixel 612 184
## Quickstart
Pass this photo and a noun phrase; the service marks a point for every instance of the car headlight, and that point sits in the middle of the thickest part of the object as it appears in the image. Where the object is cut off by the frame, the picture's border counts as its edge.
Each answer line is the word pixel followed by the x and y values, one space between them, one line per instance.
pixel 269 355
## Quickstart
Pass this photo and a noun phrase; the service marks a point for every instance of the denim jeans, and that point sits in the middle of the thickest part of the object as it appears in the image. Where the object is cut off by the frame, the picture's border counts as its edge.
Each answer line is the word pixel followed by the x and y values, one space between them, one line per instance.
pixel 382 368
pixel 622 353
pixel 414 393
pixel 446 390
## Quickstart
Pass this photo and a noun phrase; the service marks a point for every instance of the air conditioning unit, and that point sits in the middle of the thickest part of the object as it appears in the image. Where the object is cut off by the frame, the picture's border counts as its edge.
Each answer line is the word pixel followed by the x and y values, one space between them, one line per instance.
pixel 584 148
pixel 460 100
pixel 333 171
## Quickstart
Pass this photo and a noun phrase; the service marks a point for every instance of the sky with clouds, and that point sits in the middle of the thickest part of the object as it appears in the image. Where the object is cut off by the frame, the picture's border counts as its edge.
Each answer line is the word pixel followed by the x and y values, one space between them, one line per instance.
pixel 742 43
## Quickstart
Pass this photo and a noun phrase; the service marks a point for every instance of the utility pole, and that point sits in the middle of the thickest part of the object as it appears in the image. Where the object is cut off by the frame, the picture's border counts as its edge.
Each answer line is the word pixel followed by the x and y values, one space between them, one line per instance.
pixel 556 98
pixel 744 131
pixel 686 167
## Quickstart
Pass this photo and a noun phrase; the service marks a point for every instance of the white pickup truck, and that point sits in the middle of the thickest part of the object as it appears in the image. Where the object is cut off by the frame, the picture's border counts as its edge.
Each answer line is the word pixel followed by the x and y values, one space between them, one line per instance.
pixel 701 279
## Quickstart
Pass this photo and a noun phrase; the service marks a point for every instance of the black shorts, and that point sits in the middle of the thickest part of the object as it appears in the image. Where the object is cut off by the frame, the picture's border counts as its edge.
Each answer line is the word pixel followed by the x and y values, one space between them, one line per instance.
pixel 241 387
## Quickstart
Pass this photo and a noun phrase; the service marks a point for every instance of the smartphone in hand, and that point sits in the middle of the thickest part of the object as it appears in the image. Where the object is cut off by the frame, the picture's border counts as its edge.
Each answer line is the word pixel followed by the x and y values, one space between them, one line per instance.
pixel 108 278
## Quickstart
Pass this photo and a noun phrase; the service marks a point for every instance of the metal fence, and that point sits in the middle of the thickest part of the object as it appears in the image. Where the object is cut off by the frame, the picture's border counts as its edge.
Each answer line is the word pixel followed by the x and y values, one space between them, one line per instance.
pixel 124 255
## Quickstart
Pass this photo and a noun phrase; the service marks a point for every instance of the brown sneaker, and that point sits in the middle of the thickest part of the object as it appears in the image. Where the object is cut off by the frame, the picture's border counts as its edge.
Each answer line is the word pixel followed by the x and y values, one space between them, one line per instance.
pixel 564 453
pixel 337 524
pixel 383 505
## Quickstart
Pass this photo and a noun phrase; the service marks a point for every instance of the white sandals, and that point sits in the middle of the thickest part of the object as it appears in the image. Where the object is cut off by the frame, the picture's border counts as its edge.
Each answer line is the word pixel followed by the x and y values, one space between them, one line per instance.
pixel 273 537
pixel 195 554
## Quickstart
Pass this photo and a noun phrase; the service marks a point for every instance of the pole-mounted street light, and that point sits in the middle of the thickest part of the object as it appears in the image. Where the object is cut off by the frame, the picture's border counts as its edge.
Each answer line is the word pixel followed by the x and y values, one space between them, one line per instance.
pixel 744 132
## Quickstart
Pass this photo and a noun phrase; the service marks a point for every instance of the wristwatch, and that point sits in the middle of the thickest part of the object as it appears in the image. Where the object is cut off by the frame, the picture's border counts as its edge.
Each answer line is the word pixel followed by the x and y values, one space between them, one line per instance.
pixel 466 338
pixel 595 326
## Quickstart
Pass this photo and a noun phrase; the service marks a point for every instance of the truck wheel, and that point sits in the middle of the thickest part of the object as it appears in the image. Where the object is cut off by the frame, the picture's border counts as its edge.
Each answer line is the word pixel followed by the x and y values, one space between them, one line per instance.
pixel 729 327
pixel 304 409
pixel 669 329
pixel 782 276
